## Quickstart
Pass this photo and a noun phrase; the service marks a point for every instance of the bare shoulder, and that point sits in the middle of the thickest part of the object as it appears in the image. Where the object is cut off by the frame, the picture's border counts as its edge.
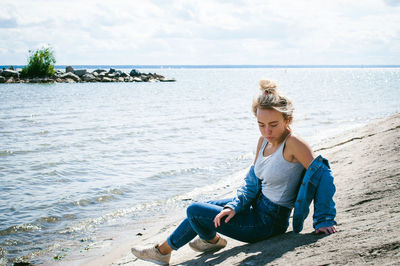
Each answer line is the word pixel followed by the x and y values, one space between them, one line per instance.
pixel 296 142
pixel 299 150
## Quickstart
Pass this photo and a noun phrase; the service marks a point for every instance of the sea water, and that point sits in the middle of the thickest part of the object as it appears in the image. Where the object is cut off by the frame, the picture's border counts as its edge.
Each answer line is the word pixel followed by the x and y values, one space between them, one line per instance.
pixel 77 159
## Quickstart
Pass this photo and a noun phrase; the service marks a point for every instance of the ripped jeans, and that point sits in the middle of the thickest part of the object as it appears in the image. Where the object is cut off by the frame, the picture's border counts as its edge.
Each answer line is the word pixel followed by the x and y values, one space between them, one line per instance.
pixel 258 222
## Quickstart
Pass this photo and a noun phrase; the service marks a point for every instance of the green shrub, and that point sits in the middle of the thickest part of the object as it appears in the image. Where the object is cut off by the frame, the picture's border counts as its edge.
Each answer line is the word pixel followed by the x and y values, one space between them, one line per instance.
pixel 41 63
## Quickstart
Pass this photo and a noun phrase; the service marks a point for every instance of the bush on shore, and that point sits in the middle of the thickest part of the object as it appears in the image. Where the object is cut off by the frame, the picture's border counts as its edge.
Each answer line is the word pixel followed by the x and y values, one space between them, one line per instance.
pixel 41 63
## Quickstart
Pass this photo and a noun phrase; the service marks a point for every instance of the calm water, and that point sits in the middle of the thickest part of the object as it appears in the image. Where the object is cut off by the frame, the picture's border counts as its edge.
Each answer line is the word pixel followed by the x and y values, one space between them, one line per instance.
pixel 77 159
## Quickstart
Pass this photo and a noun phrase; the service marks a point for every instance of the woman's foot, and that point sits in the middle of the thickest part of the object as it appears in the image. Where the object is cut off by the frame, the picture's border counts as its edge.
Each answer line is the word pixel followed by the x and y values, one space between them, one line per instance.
pixel 201 245
pixel 151 254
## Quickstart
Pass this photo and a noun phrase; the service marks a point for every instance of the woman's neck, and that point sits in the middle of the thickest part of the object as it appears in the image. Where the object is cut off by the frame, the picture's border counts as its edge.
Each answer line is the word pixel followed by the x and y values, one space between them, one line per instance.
pixel 281 139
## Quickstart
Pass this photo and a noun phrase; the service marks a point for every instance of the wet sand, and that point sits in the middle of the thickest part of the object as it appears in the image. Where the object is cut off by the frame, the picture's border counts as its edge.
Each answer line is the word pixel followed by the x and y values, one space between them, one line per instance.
pixel 366 166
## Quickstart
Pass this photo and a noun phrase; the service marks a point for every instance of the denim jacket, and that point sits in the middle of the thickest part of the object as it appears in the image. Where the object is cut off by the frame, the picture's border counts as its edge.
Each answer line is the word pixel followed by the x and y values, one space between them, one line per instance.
pixel 317 184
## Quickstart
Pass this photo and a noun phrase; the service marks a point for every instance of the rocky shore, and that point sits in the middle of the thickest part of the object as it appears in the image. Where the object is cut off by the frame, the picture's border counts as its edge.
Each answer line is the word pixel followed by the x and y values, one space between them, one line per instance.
pixel 71 75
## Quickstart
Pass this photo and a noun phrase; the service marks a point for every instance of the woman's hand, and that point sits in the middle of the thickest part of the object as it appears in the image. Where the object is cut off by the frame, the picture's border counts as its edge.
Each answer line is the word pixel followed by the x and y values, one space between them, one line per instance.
pixel 225 212
pixel 327 230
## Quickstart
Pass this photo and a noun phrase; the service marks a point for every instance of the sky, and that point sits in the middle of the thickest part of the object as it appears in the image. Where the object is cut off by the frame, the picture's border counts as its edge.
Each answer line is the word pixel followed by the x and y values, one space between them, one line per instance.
pixel 203 32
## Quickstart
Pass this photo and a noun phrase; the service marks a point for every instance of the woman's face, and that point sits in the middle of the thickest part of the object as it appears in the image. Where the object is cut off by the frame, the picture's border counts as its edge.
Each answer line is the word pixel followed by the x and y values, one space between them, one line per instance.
pixel 272 125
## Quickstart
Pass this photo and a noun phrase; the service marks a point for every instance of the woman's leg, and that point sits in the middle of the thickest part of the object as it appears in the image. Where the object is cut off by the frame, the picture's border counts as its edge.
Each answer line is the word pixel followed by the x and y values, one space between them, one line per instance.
pixel 245 226
pixel 184 232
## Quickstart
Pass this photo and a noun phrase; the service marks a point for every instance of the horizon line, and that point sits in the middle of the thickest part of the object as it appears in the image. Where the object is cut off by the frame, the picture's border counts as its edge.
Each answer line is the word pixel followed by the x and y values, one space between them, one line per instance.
pixel 219 66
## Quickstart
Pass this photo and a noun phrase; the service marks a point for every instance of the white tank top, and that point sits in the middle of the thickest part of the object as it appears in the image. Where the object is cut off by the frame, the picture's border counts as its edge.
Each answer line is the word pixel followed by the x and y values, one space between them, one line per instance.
pixel 279 178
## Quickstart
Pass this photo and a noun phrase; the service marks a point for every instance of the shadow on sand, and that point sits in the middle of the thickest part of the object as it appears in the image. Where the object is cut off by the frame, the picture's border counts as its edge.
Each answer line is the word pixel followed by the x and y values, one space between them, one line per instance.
pixel 259 253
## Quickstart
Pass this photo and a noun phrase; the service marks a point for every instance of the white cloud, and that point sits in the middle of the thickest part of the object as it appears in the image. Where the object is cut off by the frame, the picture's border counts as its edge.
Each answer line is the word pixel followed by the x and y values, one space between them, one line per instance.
pixel 203 32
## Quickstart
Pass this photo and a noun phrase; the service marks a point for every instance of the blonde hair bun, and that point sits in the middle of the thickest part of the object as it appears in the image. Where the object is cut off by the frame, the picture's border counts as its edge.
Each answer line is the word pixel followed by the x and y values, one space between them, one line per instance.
pixel 268 86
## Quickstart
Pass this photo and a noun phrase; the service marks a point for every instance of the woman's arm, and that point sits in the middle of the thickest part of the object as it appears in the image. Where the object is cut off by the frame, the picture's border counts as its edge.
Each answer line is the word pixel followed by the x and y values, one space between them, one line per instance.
pixel 245 194
pixel 299 151
pixel 303 153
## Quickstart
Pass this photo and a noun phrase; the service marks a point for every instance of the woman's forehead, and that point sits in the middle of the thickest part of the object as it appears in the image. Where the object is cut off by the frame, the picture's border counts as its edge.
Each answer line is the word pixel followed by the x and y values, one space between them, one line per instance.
pixel 268 115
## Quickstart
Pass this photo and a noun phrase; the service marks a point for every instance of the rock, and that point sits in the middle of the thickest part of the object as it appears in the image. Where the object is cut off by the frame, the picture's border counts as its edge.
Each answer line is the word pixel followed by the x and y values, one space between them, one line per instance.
pixel 134 73
pixel 106 79
pixel 58 80
pixel 144 77
pixel 113 75
pixel 10 80
pixel 88 77
pixel 123 74
pixel 11 68
pixel 100 71
pixel 2 79
pixel 166 80
pixel 137 79
pixel 95 74
pixel 68 80
pixel 112 70
pixel 80 72
pixel 69 69
pixel 10 73
pixel 120 79
pixel 70 75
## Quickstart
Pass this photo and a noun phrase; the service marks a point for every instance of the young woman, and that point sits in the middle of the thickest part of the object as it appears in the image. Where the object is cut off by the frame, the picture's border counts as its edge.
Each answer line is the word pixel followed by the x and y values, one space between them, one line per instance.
pixel 285 174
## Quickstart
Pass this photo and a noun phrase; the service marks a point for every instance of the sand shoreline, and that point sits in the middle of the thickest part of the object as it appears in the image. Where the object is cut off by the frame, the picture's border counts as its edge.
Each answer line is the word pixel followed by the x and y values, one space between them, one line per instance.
pixel 366 166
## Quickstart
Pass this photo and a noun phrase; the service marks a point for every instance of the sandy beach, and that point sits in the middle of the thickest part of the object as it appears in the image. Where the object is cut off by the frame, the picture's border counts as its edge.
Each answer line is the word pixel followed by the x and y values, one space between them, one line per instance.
pixel 366 166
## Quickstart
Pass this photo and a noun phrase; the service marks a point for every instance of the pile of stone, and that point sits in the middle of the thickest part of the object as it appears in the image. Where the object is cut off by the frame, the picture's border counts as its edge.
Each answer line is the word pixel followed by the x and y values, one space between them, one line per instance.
pixel 82 75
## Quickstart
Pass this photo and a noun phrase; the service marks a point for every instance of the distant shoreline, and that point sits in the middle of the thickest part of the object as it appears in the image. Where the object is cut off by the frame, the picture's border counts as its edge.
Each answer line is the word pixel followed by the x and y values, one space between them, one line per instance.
pixel 213 66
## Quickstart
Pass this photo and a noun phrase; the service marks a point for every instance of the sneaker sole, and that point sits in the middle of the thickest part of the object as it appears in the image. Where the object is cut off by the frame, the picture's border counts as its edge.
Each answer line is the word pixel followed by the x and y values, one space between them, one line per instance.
pixel 206 250
pixel 150 260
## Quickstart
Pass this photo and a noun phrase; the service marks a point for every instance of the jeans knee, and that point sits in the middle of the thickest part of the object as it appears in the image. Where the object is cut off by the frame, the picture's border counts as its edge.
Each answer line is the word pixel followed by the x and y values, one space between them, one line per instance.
pixel 193 209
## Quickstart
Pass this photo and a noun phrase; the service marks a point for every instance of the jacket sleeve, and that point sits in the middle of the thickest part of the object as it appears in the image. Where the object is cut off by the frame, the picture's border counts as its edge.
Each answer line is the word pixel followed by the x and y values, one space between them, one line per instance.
pixel 324 206
pixel 247 193
pixel 317 185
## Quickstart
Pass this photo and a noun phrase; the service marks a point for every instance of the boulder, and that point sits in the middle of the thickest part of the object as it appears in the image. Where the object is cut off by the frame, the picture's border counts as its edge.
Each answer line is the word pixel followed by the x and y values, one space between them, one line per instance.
pixel 95 74
pixel 123 74
pixel 10 80
pixel 70 75
pixel 98 71
pixel 120 79
pixel 112 70
pixel 106 79
pixel 88 77
pixel 113 75
pixel 2 79
pixel 69 69
pixel 10 73
pixel 134 73
pixel 144 77
pixel 80 72
pixel 58 73
pixel 166 80
pixel 137 79
pixel 11 68
pixel 68 80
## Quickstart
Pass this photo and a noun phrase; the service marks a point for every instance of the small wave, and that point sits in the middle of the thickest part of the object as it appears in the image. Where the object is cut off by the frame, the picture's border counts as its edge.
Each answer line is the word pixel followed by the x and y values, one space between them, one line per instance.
pixel 87 202
pixel 103 196
pixel 5 153
pixel 21 228
pixel 185 171
pixel 50 219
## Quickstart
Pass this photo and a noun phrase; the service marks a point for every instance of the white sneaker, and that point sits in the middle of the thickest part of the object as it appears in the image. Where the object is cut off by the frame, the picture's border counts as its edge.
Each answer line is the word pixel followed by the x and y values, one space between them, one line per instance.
pixel 201 245
pixel 151 254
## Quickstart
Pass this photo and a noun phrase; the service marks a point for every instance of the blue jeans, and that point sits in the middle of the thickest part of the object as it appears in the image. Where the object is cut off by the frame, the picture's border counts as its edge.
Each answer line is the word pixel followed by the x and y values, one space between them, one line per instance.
pixel 258 222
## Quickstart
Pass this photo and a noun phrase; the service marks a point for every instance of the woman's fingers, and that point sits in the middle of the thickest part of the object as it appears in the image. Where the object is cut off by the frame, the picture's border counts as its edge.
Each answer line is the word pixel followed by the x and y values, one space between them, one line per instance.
pixel 327 230
pixel 230 216
pixel 219 216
